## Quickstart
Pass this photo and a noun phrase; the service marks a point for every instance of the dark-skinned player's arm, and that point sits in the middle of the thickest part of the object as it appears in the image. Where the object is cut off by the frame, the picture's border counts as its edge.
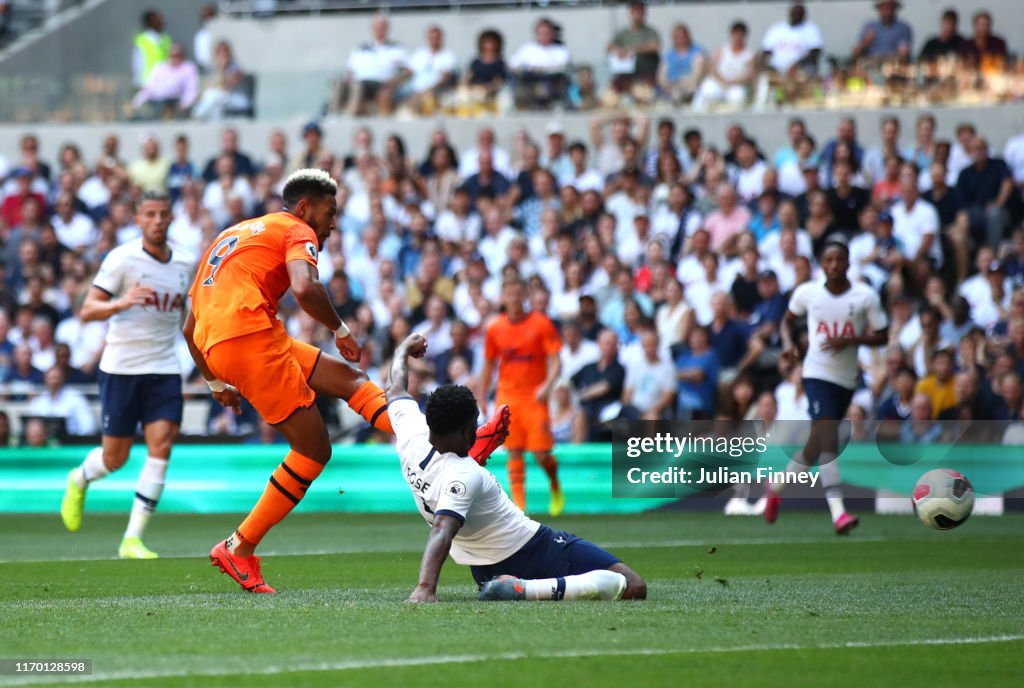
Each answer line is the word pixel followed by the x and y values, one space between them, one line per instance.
pixel 789 349
pixel 439 542
pixel 414 345
pixel 313 298
pixel 225 394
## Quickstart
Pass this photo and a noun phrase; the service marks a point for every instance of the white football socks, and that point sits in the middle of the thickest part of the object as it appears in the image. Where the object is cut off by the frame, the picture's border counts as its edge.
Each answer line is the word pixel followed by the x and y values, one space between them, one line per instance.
pixel 147 494
pixel 594 585
pixel 92 468
pixel 832 482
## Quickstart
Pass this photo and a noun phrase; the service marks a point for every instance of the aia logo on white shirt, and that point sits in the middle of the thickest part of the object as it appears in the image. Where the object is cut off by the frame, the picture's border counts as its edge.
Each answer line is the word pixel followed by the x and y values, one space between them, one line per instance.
pixel 833 329
pixel 165 303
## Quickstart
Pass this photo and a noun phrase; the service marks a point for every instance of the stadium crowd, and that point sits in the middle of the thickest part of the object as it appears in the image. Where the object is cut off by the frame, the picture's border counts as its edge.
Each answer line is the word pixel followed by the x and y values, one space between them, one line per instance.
pixel 666 263
pixel 643 65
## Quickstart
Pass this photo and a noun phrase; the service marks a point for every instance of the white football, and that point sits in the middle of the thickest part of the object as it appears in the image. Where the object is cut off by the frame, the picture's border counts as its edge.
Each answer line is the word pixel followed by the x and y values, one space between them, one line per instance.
pixel 943 498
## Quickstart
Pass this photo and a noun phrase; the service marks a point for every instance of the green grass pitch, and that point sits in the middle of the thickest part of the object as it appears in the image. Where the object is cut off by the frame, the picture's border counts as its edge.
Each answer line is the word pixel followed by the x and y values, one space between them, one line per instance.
pixel 733 602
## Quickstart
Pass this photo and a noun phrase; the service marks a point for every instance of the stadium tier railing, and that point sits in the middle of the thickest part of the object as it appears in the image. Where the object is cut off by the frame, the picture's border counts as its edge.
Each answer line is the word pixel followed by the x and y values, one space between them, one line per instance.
pixel 245 8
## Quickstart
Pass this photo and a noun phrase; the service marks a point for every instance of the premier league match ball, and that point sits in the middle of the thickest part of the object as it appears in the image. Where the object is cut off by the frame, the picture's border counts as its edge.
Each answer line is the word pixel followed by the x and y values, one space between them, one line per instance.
pixel 943 499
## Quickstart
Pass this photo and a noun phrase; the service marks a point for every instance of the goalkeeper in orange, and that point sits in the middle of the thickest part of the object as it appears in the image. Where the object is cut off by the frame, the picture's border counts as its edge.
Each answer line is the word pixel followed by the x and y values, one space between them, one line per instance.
pixel 242 349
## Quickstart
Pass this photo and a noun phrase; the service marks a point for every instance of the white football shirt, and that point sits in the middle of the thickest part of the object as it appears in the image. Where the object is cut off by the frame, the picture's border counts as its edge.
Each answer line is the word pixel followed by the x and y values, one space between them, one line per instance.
pixel 855 312
pixel 141 340
pixel 493 528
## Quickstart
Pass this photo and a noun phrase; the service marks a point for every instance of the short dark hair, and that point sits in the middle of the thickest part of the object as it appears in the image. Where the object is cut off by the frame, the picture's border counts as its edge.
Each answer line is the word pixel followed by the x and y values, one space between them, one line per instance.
pixel 906 370
pixel 490 35
pixel 836 241
pixel 305 184
pixel 450 408
pixel 739 26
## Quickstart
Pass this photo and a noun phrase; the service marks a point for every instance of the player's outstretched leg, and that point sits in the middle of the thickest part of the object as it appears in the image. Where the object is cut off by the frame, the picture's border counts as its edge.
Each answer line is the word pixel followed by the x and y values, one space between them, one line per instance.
pixel 98 463
pixel 310 451
pixel 619 582
pixel 595 585
pixel 336 378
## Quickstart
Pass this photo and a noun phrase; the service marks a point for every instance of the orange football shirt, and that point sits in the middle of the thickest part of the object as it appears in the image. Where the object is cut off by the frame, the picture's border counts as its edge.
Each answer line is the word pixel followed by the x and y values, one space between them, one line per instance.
pixel 521 350
pixel 243 275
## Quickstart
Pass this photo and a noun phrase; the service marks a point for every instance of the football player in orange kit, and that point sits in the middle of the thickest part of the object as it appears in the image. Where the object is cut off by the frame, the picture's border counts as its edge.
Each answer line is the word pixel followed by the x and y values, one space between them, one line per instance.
pixel 242 349
pixel 525 347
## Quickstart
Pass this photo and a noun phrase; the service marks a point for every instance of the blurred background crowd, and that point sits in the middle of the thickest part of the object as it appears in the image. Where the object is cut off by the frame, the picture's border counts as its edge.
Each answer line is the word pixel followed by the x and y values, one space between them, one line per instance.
pixel 665 261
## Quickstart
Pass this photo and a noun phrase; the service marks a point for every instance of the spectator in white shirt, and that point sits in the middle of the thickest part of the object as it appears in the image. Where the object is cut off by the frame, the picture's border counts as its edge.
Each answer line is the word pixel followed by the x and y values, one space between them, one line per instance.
pixel 186 230
pixel 44 349
pixel 172 88
pixel 960 155
pixel 202 42
pixel 794 45
pixel 433 70
pixel 226 185
pixel 75 230
pixel 1013 154
pixel 460 223
pixel 60 402
pixel 650 384
pixel 85 339
pixel 494 244
pixel 732 72
pixel 581 177
pixel 541 68
pixel 875 157
pixel 226 91
pixel 501 161
pixel 576 351
pixel 748 175
pixel 376 71
pixel 436 329
pixel 916 227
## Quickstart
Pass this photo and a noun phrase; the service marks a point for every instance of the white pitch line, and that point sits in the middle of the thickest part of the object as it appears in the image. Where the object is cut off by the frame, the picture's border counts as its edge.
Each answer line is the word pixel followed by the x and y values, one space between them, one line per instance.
pixel 391 662
pixel 413 549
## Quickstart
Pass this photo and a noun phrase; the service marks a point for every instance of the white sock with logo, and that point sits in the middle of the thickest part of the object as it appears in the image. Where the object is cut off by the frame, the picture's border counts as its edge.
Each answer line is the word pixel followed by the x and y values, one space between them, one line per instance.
pixel 147 495
pixel 594 585
pixel 832 482
pixel 92 468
